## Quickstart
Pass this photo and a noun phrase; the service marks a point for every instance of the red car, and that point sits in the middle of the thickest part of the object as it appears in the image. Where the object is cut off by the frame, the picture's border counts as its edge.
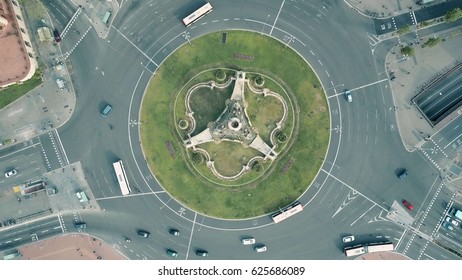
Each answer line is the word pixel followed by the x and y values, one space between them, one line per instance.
pixel 408 204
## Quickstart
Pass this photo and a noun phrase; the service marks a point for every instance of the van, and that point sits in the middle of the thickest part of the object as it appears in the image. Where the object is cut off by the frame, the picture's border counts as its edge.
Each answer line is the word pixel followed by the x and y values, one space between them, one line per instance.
pixel 107 109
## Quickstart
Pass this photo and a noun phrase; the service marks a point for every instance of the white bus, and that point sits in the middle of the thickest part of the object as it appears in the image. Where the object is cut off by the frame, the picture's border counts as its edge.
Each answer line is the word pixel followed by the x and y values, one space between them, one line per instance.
pixel 197 14
pixel 354 250
pixel 287 212
pixel 369 248
pixel 380 247
pixel 121 177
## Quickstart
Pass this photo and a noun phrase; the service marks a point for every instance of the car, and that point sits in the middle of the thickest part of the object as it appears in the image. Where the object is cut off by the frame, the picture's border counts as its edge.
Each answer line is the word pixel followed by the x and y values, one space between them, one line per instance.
pixel 348 96
pixel 248 241
pixel 447 225
pixel 57 35
pixel 260 249
pixel 408 204
pixel 80 225
pixel 144 233
pixel 452 221
pixel 403 174
pixel 11 173
pixel 348 239
pixel 174 232
pixel 202 253
pixel 106 110
pixel 172 253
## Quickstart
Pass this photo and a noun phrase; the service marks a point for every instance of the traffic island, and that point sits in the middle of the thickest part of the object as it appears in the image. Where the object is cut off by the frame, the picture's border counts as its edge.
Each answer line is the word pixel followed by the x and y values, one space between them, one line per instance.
pixel 284 107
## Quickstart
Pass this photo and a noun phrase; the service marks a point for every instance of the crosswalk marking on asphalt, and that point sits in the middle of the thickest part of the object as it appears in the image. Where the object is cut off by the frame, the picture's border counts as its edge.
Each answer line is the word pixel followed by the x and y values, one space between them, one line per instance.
pixel 76 44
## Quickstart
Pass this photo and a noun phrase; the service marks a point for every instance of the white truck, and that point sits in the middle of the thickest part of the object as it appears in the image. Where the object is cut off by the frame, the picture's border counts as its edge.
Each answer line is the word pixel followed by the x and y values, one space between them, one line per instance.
pixel 457 213
pixel 60 83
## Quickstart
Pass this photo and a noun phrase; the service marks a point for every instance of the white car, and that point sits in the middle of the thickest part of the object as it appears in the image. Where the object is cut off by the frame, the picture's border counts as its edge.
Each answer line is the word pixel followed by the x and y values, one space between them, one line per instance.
pixel 452 221
pixel 348 96
pixel 248 241
pixel 11 173
pixel 260 249
pixel 348 239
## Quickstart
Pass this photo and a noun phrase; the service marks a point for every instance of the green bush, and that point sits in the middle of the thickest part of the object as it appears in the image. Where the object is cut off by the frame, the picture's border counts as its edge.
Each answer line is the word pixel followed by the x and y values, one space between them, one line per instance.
pixel 220 75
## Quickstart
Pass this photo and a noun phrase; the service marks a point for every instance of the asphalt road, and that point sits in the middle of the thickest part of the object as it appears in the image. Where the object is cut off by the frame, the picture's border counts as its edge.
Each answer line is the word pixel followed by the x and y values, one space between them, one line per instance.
pixel 355 191
pixel 442 98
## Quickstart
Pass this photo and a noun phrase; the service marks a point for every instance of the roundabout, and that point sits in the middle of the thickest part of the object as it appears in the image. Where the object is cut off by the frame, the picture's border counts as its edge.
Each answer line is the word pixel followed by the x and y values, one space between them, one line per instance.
pixel 234 147
pixel 215 165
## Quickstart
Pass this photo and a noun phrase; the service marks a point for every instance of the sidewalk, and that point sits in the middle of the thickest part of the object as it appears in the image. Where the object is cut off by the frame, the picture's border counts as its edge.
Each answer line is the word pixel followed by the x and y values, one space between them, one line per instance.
pixel 386 8
pixel 70 247
pixel 48 107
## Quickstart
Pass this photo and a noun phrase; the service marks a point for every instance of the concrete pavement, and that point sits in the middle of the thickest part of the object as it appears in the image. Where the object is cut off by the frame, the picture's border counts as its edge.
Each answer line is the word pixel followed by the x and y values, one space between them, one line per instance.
pixel 48 107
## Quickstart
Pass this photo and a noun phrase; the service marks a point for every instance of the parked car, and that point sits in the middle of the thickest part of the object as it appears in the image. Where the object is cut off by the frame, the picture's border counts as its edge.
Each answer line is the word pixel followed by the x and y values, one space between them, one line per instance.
pixel 403 174
pixel 172 253
pixel 106 110
pixel 248 241
pixel 57 35
pixel 144 233
pixel 348 239
pixel 174 232
pixel 447 225
pixel 452 221
pixel 11 173
pixel 260 249
pixel 408 204
pixel 202 253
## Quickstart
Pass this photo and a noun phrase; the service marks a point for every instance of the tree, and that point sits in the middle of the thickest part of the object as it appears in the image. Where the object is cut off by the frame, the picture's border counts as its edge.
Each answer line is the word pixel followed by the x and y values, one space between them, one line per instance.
pixel 197 158
pixel 259 81
pixel 453 15
pixel 432 42
pixel 424 24
pixel 407 50
pixel 256 166
pixel 220 75
pixel 404 29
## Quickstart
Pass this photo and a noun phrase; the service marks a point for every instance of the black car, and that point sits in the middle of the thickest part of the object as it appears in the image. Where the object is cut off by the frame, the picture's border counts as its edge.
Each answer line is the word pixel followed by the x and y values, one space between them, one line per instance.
pixel 403 174
pixel 174 232
pixel 57 36
pixel 172 253
pixel 144 233
pixel 202 253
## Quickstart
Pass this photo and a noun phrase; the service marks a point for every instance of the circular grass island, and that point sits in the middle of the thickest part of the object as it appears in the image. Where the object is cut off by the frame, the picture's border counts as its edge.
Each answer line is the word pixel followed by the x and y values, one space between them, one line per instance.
pixel 234 125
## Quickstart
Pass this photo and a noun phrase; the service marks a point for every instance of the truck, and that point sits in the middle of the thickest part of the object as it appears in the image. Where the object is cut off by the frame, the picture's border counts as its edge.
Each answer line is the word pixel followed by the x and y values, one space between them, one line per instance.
pixel 457 213
pixel 60 83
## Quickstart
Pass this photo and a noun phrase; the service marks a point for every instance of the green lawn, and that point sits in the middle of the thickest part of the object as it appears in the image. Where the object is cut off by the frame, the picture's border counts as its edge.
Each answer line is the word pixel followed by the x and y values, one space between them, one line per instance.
pixel 266 193
pixel 13 92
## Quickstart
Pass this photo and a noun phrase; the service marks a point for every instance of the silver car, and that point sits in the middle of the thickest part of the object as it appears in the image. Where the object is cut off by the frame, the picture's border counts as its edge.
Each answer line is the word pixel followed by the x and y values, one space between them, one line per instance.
pixel 260 249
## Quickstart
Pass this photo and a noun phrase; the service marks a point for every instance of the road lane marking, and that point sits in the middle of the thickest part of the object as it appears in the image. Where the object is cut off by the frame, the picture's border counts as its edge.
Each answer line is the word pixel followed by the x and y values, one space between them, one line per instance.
pixel 277 16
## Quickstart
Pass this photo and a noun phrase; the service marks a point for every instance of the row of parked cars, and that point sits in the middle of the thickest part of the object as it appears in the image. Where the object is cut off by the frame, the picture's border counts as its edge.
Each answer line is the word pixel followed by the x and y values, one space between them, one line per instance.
pixel 453 219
